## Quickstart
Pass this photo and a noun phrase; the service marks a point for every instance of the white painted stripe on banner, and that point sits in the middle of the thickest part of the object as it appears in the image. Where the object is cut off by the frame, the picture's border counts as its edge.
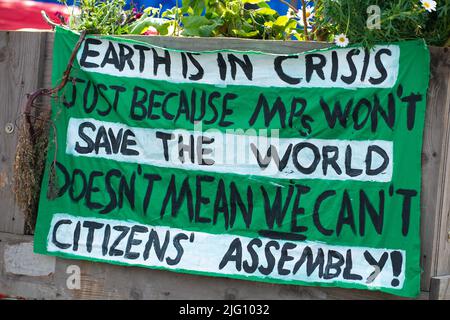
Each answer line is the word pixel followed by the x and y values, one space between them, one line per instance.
pixel 233 152
pixel 203 252
pixel 339 68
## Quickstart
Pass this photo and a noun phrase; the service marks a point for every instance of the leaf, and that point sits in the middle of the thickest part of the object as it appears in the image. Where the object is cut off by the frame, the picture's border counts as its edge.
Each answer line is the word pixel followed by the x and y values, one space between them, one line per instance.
pixel 198 26
pixel 167 28
pixel 157 23
pixel 266 11
pixel 243 34
pixel 206 31
pixel 281 21
pixel 150 11
pixel 203 30
pixel 189 11
pixel 263 5
pixel 193 7
pixel 172 13
pixel 292 24
pixel 254 1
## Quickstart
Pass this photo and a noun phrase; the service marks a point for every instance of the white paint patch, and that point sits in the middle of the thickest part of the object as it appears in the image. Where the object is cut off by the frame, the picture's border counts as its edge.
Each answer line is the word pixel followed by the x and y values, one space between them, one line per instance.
pixel 19 259
pixel 339 68
pixel 234 153
pixel 204 252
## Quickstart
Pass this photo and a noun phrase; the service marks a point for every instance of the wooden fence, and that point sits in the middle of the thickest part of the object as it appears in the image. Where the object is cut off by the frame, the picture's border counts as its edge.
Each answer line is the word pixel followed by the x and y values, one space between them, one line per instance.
pixel 25 65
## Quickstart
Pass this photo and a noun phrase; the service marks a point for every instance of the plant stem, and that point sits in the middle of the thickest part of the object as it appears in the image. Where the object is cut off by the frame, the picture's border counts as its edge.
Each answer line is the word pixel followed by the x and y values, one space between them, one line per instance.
pixel 176 31
pixel 289 5
pixel 47 19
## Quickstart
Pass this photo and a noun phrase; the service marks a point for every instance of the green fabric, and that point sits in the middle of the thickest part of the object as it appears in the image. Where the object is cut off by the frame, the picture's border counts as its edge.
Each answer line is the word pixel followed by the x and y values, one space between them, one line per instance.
pixel 413 77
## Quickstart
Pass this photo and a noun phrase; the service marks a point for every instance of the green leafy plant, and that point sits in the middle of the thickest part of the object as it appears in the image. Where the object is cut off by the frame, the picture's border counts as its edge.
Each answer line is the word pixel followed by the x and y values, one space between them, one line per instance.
pixel 341 21
pixel 399 20
pixel 151 17
pixel 100 17
pixel 232 18
pixel 203 18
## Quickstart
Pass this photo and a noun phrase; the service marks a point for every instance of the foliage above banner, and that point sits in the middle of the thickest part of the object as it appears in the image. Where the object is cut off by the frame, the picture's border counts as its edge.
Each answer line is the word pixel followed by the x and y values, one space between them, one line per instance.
pixel 300 169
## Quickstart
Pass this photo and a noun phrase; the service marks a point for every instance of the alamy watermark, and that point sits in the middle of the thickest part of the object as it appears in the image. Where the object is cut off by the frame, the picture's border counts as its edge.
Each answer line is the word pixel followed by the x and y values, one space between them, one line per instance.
pixel 374 17
pixel 73 281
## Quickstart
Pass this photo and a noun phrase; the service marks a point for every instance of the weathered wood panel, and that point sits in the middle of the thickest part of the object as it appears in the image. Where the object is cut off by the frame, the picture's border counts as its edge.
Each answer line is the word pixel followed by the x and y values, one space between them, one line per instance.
pixel 206 44
pixel 20 73
pixel 109 281
pixel 436 171
pixel 442 267
pixel 440 288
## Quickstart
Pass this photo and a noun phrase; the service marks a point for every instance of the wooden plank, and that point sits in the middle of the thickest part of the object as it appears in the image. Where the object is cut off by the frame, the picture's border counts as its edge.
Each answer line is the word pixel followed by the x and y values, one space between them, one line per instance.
pixel 443 219
pixel 207 44
pixel 440 288
pixel 435 167
pixel 111 282
pixel 48 64
pixel 20 73
pixel 19 285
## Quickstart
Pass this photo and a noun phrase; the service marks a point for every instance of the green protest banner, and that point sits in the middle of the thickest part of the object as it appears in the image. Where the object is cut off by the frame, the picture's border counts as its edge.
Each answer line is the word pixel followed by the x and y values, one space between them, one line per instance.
pixel 297 169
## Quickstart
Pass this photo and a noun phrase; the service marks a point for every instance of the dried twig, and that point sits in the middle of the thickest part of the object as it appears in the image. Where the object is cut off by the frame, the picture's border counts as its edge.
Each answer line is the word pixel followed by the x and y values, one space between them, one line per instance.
pixel 305 20
pixel 50 22
pixel 49 92
pixel 33 96
pixel 31 152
